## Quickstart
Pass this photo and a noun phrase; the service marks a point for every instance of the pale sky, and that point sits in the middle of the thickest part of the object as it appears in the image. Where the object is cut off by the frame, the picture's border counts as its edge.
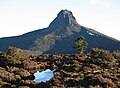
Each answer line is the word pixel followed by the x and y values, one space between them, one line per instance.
pixel 21 16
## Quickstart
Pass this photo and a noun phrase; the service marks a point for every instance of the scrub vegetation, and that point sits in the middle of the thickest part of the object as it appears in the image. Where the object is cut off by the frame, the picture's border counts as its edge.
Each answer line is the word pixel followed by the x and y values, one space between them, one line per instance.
pixel 96 69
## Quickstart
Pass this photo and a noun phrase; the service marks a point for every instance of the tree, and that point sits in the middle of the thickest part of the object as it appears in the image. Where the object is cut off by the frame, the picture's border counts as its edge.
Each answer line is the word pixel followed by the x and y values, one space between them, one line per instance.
pixel 80 44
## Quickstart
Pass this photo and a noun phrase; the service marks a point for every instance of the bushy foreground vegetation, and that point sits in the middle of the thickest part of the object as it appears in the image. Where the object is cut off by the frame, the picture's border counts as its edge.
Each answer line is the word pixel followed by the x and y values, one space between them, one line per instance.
pixel 98 69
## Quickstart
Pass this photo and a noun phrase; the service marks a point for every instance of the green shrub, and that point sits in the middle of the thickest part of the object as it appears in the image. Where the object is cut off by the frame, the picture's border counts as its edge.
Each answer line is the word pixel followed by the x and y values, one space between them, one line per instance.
pixel 12 68
pixel 116 54
pixel 3 83
pixel 12 57
pixel 23 73
pixel 102 54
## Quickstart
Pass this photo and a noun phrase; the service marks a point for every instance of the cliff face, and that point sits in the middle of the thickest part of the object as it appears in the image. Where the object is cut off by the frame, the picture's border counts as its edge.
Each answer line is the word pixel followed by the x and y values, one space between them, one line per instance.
pixel 59 36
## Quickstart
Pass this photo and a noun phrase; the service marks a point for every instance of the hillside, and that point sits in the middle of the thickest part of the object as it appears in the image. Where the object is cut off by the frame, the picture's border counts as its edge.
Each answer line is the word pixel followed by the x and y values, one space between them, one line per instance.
pixel 98 69
pixel 59 36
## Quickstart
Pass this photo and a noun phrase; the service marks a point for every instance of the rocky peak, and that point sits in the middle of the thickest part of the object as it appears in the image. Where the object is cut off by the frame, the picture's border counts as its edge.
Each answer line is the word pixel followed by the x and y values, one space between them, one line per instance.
pixel 64 18
pixel 65 14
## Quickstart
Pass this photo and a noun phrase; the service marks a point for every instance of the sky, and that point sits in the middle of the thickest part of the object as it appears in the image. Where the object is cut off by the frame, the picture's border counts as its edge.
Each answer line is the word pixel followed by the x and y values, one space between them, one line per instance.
pixel 20 16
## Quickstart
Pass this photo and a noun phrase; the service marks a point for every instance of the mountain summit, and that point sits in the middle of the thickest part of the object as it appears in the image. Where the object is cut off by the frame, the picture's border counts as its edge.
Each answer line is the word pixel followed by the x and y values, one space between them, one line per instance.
pixel 64 18
pixel 59 36
pixel 64 24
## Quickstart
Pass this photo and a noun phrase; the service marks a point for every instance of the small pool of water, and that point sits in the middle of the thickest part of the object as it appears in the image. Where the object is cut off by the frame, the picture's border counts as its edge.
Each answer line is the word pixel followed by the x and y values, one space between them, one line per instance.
pixel 43 76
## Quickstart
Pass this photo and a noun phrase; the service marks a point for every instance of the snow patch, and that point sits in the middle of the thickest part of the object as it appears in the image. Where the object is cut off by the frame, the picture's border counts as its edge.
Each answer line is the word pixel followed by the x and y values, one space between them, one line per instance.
pixel 92 34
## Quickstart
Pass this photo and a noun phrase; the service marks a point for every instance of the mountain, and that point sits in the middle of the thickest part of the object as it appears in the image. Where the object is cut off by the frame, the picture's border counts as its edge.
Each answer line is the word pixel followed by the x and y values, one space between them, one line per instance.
pixel 59 36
